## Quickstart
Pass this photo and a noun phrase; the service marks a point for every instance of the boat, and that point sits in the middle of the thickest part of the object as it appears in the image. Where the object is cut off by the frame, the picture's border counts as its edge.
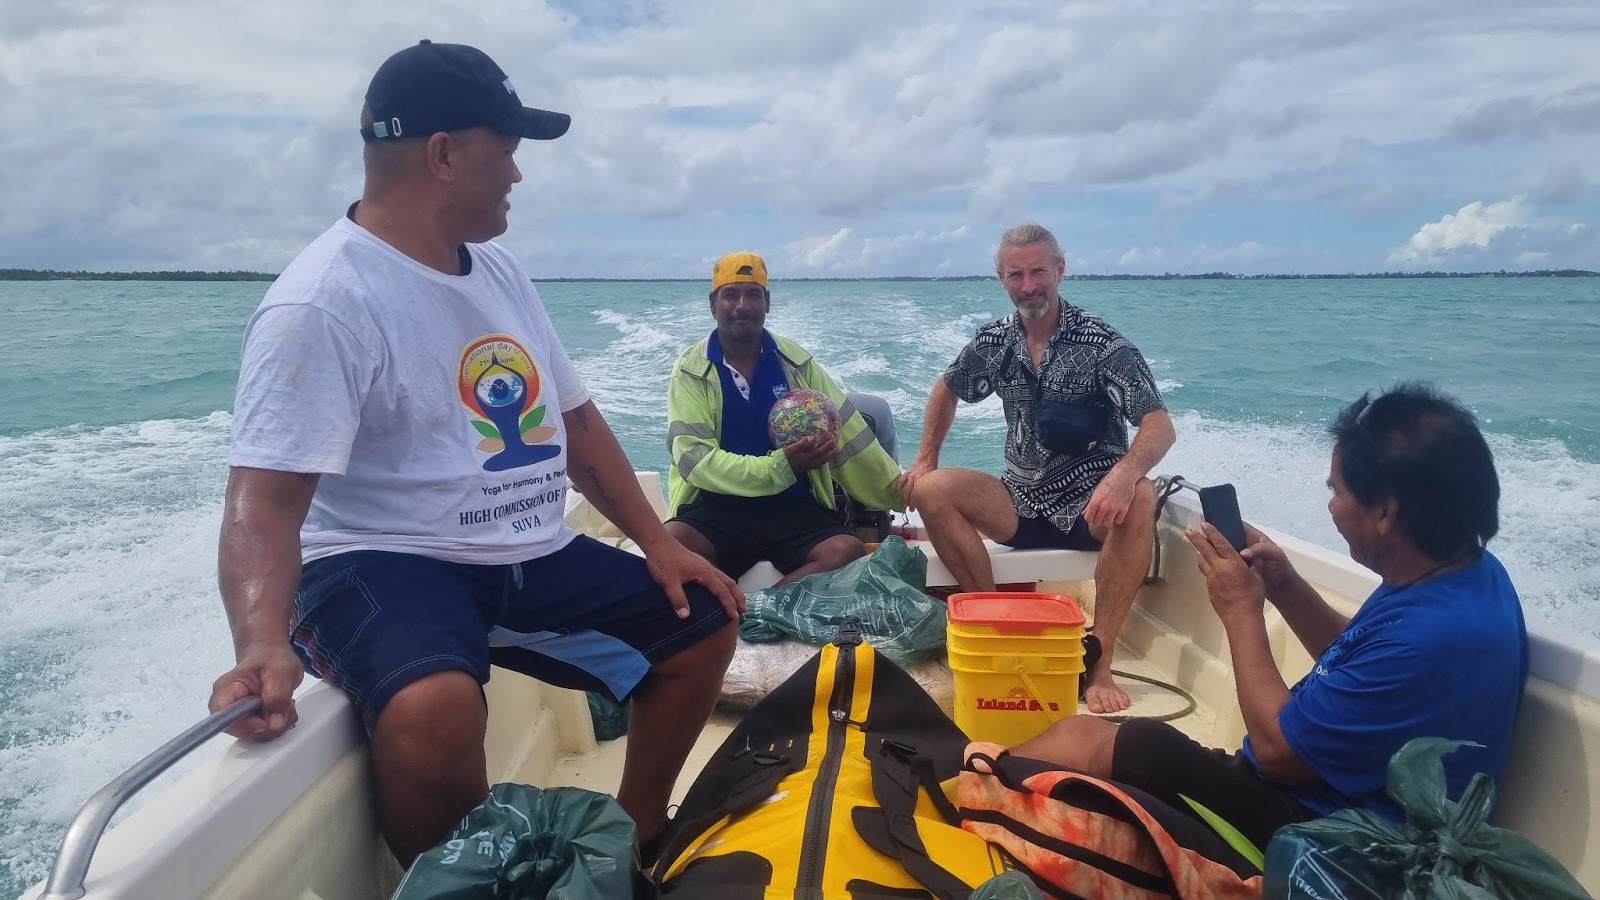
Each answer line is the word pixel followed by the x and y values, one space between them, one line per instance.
pixel 292 818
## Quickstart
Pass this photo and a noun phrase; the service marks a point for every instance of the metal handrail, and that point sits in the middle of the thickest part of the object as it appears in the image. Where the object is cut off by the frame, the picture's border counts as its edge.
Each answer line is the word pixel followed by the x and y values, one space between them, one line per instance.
pixel 1182 482
pixel 86 828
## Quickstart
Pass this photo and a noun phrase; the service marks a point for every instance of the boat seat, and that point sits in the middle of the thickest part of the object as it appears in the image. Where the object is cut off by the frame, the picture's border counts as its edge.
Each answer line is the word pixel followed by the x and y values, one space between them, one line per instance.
pixel 1010 566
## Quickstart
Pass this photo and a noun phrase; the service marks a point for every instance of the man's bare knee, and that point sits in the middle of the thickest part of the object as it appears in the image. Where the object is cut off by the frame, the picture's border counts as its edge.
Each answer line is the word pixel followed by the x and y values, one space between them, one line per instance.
pixel 710 655
pixel 431 732
pixel 1078 742
pixel 447 706
pixel 690 537
pixel 1144 500
pixel 837 551
pixel 428 759
pixel 1141 515
pixel 935 492
pixel 1145 491
pixel 967 493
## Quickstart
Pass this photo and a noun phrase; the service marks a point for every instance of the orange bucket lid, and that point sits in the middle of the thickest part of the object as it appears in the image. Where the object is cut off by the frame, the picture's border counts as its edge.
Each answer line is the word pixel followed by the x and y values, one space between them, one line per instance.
pixel 1017 613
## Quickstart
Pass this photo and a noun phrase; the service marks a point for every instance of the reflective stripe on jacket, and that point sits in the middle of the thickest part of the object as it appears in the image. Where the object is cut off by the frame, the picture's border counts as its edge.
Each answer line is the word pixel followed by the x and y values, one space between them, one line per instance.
pixel 694 422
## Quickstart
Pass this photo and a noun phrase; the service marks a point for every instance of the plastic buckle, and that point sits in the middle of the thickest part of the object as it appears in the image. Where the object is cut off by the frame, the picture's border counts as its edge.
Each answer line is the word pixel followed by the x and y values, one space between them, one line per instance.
pixel 849 632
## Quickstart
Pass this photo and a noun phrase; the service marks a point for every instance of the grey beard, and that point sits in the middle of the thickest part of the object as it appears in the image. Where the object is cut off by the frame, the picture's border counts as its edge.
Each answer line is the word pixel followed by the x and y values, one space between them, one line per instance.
pixel 1033 314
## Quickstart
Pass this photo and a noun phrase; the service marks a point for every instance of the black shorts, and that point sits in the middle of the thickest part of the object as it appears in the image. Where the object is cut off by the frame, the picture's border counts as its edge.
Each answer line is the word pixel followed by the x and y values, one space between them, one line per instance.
pixel 587 616
pixel 1163 761
pixel 1042 534
pixel 746 530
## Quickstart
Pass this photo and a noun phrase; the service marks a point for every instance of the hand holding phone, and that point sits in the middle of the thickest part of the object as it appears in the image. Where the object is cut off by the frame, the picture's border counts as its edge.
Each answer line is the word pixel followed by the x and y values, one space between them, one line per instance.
pixel 1220 506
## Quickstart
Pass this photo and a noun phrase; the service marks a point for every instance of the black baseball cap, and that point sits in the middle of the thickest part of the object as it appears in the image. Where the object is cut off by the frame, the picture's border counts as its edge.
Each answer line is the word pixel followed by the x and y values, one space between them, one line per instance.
pixel 448 87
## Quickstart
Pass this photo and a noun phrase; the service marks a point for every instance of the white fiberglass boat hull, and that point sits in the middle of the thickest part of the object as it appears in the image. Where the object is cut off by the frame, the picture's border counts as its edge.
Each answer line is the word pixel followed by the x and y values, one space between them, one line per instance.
pixel 291 819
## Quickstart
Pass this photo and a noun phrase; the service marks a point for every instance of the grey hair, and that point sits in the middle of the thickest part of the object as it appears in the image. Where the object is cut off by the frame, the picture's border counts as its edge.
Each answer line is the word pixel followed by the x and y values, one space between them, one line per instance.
pixel 1024 235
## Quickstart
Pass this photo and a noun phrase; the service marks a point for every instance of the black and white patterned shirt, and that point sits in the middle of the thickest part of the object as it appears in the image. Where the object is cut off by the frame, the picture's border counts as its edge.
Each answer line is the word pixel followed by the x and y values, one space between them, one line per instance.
pixel 1086 362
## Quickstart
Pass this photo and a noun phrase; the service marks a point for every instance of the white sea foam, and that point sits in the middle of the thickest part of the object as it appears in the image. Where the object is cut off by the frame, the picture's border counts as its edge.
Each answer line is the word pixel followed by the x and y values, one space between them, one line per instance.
pixel 641 337
pixel 113 630
pixel 629 377
pixel 1279 471
pixel 1549 507
pixel 861 364
pixel 1549 504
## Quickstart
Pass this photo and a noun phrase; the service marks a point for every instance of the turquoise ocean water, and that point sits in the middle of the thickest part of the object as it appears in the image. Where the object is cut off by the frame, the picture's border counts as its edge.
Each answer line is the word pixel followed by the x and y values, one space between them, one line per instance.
pixel 114 402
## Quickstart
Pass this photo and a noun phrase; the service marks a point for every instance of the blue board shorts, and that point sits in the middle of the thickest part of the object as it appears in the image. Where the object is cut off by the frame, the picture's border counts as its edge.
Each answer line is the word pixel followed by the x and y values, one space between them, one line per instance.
pixel 587 616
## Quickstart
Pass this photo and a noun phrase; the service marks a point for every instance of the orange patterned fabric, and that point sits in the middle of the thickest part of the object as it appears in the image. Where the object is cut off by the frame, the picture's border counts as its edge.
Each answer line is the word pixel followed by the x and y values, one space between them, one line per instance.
pixel 1129 855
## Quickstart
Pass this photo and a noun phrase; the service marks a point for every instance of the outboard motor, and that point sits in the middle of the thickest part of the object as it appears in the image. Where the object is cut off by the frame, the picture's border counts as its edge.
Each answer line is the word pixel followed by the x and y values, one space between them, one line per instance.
pixel 870 525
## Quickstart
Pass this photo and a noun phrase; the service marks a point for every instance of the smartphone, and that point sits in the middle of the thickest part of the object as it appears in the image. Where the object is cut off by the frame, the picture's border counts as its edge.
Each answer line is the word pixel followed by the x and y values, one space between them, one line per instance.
pixel 1220 506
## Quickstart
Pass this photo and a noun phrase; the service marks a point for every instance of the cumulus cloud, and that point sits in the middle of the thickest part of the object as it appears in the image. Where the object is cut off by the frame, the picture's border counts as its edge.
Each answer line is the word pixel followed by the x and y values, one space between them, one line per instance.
pixel 1141 259
pixel 847 253
pixel 1534 238
pixel 1244 252
pixel 1474 226
pixel 168 133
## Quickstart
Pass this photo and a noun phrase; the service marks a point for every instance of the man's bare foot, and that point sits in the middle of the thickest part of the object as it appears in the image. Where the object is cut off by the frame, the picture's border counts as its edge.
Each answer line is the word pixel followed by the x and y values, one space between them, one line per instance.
pixel 1103 695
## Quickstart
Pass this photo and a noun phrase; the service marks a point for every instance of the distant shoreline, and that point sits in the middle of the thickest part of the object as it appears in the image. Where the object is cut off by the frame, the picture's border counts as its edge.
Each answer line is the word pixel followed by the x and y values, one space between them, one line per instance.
pixel 54 275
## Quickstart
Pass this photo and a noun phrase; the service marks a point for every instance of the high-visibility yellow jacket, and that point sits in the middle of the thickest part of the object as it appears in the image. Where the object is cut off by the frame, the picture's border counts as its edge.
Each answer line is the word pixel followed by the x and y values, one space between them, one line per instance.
pixel 694 425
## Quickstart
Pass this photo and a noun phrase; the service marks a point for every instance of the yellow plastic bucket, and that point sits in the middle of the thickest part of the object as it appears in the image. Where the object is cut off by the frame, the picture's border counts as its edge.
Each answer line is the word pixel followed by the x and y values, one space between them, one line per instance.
pixel 1016 658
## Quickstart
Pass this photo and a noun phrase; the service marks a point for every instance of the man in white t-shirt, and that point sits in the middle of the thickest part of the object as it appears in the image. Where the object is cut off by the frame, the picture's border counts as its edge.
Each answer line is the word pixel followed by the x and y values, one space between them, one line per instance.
pixel 404 431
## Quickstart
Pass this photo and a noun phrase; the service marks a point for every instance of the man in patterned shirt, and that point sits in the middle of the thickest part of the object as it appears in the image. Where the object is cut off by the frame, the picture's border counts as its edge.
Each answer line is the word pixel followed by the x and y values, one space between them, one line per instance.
pixel 1077 483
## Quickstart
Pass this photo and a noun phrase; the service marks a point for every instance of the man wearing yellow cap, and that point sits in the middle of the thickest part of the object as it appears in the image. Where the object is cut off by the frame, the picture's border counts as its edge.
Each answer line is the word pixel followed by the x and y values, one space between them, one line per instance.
pixel 735 498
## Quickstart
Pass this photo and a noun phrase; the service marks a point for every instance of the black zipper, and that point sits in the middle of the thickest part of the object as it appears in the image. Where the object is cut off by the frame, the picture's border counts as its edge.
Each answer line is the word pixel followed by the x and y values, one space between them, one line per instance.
pixel 813 849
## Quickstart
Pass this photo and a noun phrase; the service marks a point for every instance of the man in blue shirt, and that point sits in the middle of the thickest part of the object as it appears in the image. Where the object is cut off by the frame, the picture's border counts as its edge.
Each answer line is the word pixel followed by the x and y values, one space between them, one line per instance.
pixel 1439 649
pixel 735 498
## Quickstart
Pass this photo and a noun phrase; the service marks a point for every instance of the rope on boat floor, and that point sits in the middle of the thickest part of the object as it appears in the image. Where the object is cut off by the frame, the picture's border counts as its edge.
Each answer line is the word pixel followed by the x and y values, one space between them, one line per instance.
pixel 1168 717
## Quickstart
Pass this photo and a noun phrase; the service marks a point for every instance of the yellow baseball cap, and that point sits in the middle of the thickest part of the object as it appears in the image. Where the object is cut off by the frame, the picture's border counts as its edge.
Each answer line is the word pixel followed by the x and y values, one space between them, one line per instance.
pixel 739 268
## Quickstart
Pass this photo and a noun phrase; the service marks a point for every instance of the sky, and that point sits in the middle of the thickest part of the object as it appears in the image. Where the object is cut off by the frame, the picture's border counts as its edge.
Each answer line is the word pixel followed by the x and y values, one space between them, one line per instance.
pixel 841 138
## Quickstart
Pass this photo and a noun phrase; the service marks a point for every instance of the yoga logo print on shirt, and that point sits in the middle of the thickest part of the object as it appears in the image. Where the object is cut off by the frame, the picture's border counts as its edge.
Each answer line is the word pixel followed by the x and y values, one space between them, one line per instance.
pixel 499 385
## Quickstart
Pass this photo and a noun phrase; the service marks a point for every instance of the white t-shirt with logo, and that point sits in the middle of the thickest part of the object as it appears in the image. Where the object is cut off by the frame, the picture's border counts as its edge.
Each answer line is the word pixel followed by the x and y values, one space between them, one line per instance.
pixel 430 403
